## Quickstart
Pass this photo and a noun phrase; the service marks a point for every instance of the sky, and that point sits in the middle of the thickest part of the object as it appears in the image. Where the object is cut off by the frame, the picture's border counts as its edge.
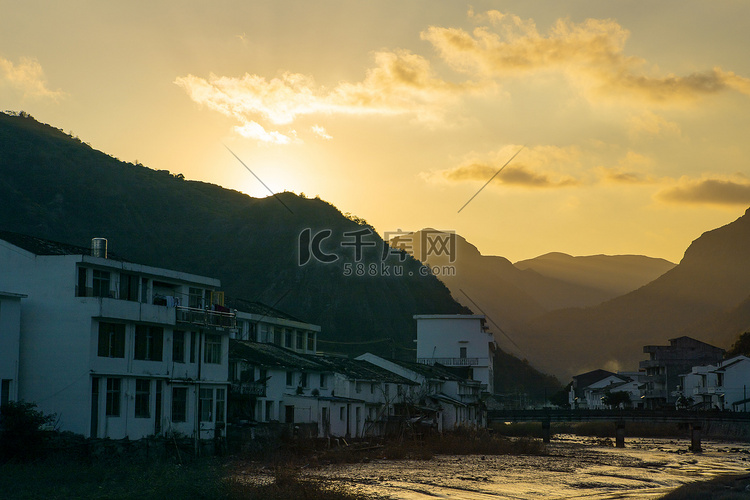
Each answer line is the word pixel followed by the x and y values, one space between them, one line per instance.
pixel 625 122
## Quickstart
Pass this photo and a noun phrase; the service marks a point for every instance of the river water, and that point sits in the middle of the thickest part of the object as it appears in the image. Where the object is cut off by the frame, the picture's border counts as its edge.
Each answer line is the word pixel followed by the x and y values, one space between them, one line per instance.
pixel 575 467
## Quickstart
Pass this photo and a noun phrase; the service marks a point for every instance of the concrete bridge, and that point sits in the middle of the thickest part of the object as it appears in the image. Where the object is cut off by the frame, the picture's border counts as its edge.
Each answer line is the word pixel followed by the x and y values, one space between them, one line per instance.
pixel 695 419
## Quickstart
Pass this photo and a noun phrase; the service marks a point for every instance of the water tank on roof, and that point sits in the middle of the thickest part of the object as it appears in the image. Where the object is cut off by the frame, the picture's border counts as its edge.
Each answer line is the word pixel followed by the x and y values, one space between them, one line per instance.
pixel 99 247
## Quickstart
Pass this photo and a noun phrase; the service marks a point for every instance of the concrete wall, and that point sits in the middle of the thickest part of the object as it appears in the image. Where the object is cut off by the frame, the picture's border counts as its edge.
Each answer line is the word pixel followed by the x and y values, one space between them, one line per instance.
pixel 10 338
pixel 443 336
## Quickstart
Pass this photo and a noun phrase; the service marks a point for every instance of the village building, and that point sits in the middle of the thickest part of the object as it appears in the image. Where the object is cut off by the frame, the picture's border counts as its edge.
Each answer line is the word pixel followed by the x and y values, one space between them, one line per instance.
pixel 456 399
pixel 10 341
pixel 113 348
pixel 327 396
pixel 458 340
pixel 723 386
pixel 667 363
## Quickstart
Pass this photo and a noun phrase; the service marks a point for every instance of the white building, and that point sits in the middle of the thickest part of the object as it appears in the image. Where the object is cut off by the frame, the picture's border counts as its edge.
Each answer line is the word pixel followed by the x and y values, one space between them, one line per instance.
pixel 10 338
pixel 117 349
pixel 261 323
pixel 337 397
pixel 458 399
pixel 457 341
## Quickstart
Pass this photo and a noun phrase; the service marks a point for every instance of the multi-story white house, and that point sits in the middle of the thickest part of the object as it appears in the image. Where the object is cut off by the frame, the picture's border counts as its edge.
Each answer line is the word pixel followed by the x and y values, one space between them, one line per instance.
pixel 10 339
pixel 725 385
pixel 457 341
pixel 117 349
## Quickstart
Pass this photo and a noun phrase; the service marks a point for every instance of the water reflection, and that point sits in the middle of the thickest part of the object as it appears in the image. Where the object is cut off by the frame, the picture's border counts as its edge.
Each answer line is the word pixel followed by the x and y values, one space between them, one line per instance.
pixel 575 468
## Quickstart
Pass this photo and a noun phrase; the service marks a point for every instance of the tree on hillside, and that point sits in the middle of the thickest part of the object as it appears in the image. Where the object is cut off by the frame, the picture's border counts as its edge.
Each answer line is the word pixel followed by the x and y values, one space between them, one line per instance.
pixel 740 347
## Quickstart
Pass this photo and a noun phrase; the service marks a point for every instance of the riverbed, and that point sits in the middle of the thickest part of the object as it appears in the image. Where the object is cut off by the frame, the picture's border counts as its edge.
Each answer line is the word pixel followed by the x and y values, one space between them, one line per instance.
pixel 574 467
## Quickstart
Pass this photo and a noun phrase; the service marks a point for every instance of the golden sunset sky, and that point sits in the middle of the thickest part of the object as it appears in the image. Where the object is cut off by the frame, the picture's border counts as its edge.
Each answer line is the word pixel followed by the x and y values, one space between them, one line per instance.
pixel 634 117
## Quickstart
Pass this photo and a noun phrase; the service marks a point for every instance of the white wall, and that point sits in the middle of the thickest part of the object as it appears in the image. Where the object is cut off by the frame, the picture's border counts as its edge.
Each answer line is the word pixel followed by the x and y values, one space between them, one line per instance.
pixel 10 336
pixel 443 336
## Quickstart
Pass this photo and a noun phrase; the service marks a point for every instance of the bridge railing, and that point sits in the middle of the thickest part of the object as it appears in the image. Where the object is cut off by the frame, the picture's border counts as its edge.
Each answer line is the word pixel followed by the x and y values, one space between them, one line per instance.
pixel 561 415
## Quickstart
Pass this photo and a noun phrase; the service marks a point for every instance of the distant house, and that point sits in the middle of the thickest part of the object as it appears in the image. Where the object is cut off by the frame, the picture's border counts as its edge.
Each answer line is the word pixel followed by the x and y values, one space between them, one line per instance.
pixel 725 385
pixel 667 363
pixel 116 349
pixel 457 340
pixel 576 396
pixel 698 387
pixel 10 342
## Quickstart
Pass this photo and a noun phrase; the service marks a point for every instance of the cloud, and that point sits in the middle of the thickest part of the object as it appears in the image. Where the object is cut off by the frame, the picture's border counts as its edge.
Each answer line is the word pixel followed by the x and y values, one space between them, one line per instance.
pixel 321 132
pixel 651 124
pixel 27 76
pixel 710 191
pixel 591 53
pixel 532 171
pixel 630 169
pixel 401 83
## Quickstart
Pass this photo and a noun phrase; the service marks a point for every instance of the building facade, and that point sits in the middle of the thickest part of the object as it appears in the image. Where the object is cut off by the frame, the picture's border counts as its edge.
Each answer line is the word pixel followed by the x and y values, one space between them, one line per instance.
pixel 117 349
pixel 667 363
pixel 10 341
pixel 457 341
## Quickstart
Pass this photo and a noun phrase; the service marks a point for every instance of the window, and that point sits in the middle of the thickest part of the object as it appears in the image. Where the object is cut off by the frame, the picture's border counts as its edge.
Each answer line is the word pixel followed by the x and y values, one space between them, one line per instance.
pixel 113 397
pixel 400 390
pixel 264 333
pixel 142 398
pixel 342 413
pixel 310 341
pixel 205 404
pixel 129 287
pixel 111 340
pixel 144 290
pixel 149 342
pixel 287 338
pixel 300 340
pixel 5 392
pixel 269 411
pixel 462 351
pixel 81 287
pixel 212 352
pixel 179 404
pixel 192 347
pixel 178 346
pixel 358 387
pixel 372 388
pixel 195 298
pixel 323 381
pixel 303 380
pixel 289 379
pixel 101 283
pixel 220 402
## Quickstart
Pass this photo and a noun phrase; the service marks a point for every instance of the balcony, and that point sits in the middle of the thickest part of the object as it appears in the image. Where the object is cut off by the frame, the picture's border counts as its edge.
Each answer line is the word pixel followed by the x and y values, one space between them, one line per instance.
pixel 452 361
pixel 257 389
pixel 206 318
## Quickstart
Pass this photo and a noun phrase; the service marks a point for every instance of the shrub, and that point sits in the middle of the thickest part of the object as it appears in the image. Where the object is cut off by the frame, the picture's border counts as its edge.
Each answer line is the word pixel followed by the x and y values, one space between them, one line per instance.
pixel 21 433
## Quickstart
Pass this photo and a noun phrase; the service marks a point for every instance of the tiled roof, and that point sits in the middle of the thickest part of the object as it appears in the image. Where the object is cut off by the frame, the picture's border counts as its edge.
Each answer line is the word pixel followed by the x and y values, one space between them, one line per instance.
pixel 271 355
pixel 361 370
pixel 260 309
pixel 435 371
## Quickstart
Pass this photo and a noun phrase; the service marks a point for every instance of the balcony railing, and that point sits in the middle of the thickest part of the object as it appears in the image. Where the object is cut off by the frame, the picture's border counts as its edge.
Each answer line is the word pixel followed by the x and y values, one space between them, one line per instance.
pixel 249 388
pixel 205 317
pixel 450 361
